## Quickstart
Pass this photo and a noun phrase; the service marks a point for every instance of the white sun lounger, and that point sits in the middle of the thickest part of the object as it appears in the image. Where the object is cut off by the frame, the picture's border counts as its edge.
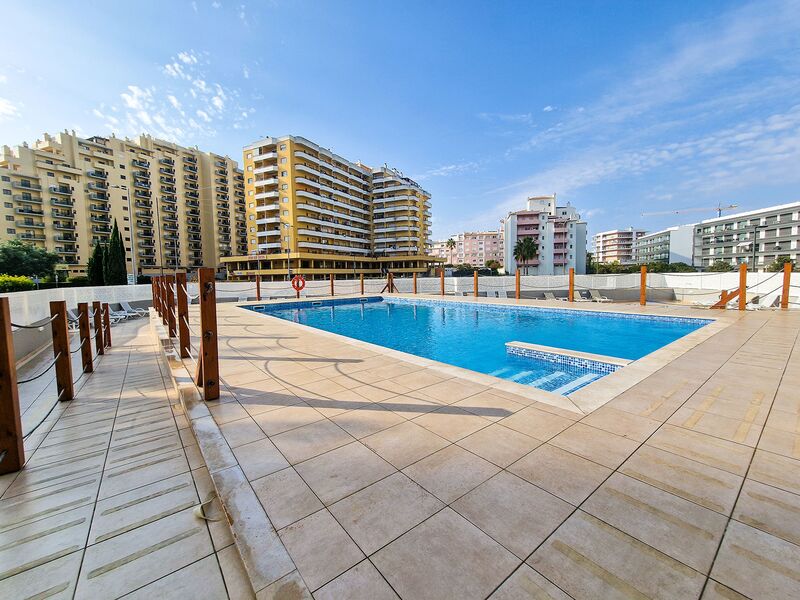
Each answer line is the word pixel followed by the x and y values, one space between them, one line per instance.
pixel 598 297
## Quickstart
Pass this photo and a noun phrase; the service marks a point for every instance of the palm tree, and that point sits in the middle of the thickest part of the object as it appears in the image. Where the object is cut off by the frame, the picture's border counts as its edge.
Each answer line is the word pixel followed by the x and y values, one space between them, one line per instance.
pixel 450 244
pixel 524 250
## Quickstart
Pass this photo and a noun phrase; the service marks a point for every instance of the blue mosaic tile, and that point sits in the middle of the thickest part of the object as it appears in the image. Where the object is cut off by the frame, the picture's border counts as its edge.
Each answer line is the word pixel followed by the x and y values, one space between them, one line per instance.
pixel 585 365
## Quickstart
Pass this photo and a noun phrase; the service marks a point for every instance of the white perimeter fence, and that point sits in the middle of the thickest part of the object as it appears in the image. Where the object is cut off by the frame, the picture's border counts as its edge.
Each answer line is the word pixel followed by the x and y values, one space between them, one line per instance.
pixel 29 307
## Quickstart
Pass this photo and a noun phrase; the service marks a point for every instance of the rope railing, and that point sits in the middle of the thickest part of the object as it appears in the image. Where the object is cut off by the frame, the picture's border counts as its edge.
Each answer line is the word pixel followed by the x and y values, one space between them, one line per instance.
pixel 39 326
pixel 43 419
pixel 35 377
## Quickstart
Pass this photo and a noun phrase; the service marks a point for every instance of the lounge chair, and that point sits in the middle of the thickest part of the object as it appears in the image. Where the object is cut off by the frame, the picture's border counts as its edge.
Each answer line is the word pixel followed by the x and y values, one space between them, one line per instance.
pixel 579 298
pixel 595 296
pixel 119 315
pixel 460 293
pixel 126 306
pixel 551 296
pixel 72 320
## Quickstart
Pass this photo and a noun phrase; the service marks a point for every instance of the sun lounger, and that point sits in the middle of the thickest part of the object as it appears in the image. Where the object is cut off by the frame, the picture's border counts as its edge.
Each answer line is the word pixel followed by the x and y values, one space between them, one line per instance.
pixel 551 296
pixel 140 312
pixel 595 296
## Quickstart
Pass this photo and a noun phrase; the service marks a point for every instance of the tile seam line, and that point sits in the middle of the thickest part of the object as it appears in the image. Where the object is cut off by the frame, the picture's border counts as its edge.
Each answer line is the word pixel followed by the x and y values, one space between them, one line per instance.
pixel 750 464
pixel 578 507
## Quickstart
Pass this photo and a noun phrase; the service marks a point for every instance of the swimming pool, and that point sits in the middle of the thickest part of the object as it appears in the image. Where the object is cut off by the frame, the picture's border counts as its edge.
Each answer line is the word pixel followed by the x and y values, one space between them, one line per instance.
pixel 474 336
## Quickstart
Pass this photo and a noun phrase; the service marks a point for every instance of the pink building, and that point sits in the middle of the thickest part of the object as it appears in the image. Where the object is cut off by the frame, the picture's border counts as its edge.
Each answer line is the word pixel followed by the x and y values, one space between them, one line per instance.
pixel 473 247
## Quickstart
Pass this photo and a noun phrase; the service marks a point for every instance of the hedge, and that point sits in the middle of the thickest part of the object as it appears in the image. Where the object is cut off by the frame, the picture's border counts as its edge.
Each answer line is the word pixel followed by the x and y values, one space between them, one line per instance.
pixel 16 283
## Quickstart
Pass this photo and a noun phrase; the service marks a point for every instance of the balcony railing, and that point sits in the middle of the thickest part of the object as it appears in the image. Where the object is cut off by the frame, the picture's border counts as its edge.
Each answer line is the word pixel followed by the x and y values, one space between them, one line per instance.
pixel 25 185
pixel 97 174
pixel 29 211
pixel 58 189
pixel 27 198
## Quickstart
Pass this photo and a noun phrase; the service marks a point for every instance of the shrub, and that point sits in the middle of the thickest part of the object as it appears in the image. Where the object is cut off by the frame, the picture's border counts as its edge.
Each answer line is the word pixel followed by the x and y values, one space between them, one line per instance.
pixel 16 283
pixel 78 280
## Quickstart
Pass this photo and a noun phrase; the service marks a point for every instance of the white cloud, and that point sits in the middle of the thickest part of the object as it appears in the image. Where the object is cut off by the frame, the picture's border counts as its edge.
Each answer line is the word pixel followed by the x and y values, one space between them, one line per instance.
pixel 548 108
pixel 189 58
pixel 245 72
pixel 523 118
pixel 8 110
pixel 194 6
pixel 3 79
pixel 203 115
pixel 174 102
pixel 448 170
pixel 216 4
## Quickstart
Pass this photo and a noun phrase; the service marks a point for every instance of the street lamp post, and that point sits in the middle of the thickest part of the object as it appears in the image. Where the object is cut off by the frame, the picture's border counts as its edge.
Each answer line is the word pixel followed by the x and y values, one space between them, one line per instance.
pixel 130 216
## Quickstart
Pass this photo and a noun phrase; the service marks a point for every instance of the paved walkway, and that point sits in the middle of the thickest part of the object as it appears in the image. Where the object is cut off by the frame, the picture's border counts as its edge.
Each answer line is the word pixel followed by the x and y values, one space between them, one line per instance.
pixel 104 505
pixel 385 477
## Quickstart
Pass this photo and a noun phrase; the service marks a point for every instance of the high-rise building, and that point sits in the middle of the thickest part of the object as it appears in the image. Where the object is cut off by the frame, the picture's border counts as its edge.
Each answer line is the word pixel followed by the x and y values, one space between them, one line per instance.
pixel 315 213
pixel 616 245
pixel 177 208
pixel 671 245
pixel 757 237
pixel 472 247
pixel 558 232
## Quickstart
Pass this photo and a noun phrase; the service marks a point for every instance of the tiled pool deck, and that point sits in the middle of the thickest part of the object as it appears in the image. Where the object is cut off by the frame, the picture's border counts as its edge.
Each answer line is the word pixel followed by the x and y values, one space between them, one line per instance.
pixel 384 475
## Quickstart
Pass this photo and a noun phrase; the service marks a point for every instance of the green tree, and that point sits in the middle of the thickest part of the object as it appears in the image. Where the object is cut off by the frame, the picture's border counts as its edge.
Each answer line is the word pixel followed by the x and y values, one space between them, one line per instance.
pixel 492 264
pixel 777 264
pixel 95 266
pixel 115 271
pixel 680 267
pixel 524 250
pixel 19 258
pixel 591 266
pixel 721 266
pixel 450 244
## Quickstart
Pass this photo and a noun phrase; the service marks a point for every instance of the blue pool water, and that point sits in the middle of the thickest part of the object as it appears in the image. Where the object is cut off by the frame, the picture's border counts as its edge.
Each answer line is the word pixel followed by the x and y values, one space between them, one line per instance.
pixel 474 336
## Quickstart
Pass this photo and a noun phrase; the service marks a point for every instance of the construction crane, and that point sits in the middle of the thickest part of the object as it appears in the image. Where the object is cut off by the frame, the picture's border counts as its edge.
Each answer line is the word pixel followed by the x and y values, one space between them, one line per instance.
pixel 719 208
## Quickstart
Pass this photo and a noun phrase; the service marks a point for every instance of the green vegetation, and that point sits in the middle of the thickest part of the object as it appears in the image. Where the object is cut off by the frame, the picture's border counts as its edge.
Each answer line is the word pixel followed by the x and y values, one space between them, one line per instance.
pixel 777 265
pixel 524 250
pixel 115 271
pixel 450 244
pixel 493 265
pixel 94 269
pixel 721 266
pixel 616 267
pixel 16 283
pixel 19 258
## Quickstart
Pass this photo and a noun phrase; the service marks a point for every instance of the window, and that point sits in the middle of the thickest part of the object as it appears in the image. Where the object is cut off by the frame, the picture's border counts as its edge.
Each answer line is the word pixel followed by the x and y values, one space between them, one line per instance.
pixel 283 160
pixel 122 177
pixel 252 230
pixel 11 230
pixel 283 146
pixel 249 155
pixel 286 239
pixel 283 173
pixel 7 192
pixel 6 178
pixel 286 213
pixel 8 204
pixel 9 217
pixel 122 166
pixel 285 186
pixel 249 180
pixel 284 199
pixel 249 167
pixel 286 226
pixel 251 217
pixel 50 174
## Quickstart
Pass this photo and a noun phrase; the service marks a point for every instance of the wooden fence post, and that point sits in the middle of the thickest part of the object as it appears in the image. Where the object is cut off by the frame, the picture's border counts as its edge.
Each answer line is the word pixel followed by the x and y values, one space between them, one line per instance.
pixel 787 280
pixel 153 293
pixel 86 337
pixel 361 277
pixel 58 309
pixel 208 361
pixel 98 327
pixel 332 284
pixel 11 442
pixel 743 286
pixel 170 283
pixel 107 325
pixel 414 282
pixel 475 282
pixel 441 281
pixel 164 305
pixel 517 276
pixel 643 285
pixel 571 284
pixel 258 287
pixel 183 314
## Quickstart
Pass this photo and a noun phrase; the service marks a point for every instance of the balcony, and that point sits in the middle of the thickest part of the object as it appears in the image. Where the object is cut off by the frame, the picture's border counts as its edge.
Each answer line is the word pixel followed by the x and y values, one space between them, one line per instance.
pixel 167 161
pixel 60 189
pixel 100 186
pixel 142 194
pixel 26 185
pixel 170 227
pixel 61 214
pixel 146 244
pixel 27 198
pixel 29 211
pixel 193 203
pixel 28 223
pixel 167 171
pixel 32 237
pixel 167 180
pixel 146 223
pixel 142 164
pixel 68 226
pixel 170 218
pixel 265 156
pixel 139 183
pixel 99 219
pixel 97 174
pixel 144 213
pixel 65 237
pixel 98 196
pixel 146 233
pixel 143 204
pixel 98 228
pixel 190 168
pixel 193 195
pixel 66 250
pixel 169 189
pixel 190 159
pixel 191 178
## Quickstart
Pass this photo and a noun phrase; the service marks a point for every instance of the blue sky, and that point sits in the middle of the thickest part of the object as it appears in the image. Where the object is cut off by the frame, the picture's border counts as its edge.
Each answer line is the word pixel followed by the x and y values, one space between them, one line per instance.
pixel 619 107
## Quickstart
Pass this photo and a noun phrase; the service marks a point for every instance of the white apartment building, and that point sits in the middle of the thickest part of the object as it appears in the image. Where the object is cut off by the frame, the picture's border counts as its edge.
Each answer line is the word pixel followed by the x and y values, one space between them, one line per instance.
pixel 558 231
pixel 671 245
pixel 472 247
pixel 757 237
pixel 616 245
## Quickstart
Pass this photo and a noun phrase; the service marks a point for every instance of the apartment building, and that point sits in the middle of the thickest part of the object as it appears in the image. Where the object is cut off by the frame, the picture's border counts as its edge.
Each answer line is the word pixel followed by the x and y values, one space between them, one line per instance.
pixel 756 238
pixel 315 213
pixel 177 208
pixel 472 247
pixel 671 245
pixel 558 231
pixel 616 245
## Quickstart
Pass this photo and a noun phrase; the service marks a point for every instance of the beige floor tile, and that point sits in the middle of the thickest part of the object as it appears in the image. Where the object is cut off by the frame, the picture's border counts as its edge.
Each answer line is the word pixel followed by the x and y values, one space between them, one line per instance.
pixel 224 413
pixel 447 392
pixel 367 420
pixel 780 442
pixel 236 580
pixel 268 401
pixel 443 558
pixel 608 449
pixel 311 440
pixel 374 393
pixel 525 583
pixel 199 580
pixel 734 430
pixel 53 579
pixel 240 432
pixel 408 407
pixel 681 529
pixel 499 445
pixel 561 473
pixel 452 423
pixel 362 582
pixel 694 481
pixel 320 548
pixel 622 423
pixel 716 591
pixel 757 564
pixel 776 470
pixel 285 497
pixel 129 561
pixel 490 406
pixel 219 528
pixel 590 559
pixel 515 513
pixel 260 458
pixel 383 511
pixel 700 447
pixel 286 419
pixel 343 471
pixel 404 444
pixel 450 473
pixel 142 471
pixel 769 509
pixel 537 423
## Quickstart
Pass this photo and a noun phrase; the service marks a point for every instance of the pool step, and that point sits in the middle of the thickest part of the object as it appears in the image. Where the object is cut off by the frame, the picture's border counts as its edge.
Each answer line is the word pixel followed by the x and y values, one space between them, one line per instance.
pixel 500 372
pixel 576 383
pixel 546 378
pixel 520 375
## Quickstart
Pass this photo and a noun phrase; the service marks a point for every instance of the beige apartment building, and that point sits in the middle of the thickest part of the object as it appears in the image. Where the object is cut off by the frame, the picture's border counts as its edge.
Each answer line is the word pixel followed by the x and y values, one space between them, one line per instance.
pixel 472 247
pixel 315 213
pixel 177 208
pixel 616 245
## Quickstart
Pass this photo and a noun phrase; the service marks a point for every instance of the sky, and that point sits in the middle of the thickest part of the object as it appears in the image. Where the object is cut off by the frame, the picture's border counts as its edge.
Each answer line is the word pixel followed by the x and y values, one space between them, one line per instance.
pixel 622 108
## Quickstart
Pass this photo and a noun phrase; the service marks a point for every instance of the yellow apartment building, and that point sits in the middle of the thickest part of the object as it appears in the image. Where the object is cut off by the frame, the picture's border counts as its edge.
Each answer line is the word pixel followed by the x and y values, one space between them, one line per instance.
pixel 177 208
pixel 315 213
